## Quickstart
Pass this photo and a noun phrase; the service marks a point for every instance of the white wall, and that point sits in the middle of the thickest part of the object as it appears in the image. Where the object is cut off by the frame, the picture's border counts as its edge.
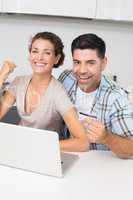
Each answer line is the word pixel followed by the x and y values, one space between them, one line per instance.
pixel 16 30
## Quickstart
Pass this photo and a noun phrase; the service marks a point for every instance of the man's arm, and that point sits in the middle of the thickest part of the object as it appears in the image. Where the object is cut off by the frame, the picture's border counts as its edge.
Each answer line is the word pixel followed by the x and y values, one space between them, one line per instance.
pixel 121 146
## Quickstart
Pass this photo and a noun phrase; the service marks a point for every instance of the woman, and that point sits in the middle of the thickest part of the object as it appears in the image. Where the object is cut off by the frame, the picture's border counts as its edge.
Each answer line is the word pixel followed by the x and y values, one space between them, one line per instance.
pixel 41 100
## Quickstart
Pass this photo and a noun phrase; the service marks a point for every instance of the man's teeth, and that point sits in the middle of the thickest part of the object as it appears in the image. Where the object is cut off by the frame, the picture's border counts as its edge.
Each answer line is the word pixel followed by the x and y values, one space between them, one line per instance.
pixel 81 77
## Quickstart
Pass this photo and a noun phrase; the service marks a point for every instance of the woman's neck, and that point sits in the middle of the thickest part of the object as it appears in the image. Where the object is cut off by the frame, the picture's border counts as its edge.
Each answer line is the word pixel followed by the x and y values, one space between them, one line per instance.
pixel 40 81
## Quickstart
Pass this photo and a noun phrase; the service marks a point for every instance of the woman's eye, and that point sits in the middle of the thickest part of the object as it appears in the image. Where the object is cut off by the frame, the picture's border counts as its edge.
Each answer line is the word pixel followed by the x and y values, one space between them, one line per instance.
pixel 48 53
pixel 34 51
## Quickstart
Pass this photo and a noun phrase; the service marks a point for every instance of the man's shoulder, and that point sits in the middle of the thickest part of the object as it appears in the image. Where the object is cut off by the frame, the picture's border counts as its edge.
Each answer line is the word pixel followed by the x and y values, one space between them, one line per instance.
pixel 112 89
pixel 68 80
pixel 65 75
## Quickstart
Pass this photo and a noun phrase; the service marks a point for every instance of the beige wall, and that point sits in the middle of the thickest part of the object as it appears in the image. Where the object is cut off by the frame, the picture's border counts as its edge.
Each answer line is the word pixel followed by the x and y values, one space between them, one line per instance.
pixel 16 30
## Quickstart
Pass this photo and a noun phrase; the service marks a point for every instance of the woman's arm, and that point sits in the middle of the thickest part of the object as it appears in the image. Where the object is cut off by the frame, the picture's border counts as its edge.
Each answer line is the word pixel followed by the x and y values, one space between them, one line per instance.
pixel 5 70
pixel 6 102
pixel 78 140
pixel 7 99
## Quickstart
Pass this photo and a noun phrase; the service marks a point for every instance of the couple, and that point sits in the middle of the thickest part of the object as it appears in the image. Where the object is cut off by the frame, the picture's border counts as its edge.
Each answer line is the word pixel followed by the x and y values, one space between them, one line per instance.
pixel 42 101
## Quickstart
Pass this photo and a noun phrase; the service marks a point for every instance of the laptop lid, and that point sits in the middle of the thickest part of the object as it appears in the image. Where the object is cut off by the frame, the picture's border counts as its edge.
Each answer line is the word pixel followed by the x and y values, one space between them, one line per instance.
pixel 30 149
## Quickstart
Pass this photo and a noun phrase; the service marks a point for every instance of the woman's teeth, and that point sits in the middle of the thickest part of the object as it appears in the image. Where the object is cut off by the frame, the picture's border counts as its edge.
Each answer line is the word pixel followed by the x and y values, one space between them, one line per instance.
pixel 40 64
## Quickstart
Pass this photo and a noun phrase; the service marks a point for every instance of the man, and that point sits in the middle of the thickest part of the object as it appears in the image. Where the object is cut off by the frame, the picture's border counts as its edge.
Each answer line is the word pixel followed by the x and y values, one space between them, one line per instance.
pixel 97 96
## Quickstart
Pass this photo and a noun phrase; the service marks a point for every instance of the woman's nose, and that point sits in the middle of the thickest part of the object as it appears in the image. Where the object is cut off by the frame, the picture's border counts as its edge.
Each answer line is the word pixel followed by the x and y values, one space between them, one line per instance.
pixel 40 56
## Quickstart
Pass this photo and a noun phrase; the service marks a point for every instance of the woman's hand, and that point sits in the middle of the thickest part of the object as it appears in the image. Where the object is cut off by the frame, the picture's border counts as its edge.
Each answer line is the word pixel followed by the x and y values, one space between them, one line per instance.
pixel 7 68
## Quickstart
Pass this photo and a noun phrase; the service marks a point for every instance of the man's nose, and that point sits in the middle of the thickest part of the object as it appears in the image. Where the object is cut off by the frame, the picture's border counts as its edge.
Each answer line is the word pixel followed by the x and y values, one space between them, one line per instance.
pixel 83 68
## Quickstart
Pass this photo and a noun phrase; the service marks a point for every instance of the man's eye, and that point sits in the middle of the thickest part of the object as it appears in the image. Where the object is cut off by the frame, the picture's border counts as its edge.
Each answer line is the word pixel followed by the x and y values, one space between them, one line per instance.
pixel 75 62
pixel 92 62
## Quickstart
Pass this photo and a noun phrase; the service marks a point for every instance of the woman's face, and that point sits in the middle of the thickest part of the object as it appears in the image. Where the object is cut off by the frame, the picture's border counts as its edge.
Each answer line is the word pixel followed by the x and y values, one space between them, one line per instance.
pixel 42 56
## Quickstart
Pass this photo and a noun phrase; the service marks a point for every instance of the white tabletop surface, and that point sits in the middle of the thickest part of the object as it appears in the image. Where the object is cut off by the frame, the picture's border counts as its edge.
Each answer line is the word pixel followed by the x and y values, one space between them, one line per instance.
pixel 95 175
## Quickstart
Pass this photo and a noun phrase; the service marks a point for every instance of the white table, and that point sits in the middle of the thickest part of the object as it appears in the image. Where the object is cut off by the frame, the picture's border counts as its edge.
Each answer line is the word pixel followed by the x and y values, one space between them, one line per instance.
pixel 96 175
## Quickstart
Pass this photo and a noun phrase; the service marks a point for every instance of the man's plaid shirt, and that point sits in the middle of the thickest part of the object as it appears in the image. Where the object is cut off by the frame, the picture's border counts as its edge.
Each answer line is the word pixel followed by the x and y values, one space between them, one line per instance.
pixel 111 106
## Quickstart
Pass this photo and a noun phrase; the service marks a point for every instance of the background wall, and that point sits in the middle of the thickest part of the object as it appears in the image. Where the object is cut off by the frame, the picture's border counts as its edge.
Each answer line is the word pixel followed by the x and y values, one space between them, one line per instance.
pixel 16 31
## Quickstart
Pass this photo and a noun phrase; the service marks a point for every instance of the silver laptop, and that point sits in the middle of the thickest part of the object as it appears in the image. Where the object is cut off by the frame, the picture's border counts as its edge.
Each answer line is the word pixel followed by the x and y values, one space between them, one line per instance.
pixel 33 149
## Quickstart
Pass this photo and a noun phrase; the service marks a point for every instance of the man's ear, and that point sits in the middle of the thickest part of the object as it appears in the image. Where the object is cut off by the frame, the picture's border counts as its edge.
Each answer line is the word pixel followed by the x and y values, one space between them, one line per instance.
pixel 57 58
pixel 104 63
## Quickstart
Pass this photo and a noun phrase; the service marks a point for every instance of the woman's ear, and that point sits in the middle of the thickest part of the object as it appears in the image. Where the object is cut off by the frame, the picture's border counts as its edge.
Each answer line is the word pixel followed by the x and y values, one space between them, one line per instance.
pixel 28 58
pixel 57 58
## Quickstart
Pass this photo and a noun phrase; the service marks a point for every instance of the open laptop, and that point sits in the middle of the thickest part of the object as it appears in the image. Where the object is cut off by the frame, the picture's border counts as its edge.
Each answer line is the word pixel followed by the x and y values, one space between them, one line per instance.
pixel 33 149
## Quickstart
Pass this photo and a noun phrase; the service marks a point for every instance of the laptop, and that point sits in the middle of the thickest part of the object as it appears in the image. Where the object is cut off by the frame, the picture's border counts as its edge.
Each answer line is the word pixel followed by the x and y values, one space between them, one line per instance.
pixel 34 150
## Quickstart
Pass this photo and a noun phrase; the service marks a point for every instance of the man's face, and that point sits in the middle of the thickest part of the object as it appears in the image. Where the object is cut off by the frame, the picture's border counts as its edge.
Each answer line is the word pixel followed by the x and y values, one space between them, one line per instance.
pixel 87 68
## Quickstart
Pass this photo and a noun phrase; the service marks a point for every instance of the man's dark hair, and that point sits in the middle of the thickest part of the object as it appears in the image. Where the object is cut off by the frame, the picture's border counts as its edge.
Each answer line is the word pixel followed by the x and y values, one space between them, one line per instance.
pixel 89 41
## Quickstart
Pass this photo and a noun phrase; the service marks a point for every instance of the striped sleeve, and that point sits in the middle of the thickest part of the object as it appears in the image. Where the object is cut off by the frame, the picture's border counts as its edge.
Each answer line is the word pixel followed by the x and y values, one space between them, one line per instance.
pixel 122 117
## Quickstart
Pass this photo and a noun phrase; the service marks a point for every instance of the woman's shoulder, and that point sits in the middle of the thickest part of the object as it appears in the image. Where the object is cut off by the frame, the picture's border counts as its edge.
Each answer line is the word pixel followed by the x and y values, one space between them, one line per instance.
pixel 21 79
pixel 57 85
